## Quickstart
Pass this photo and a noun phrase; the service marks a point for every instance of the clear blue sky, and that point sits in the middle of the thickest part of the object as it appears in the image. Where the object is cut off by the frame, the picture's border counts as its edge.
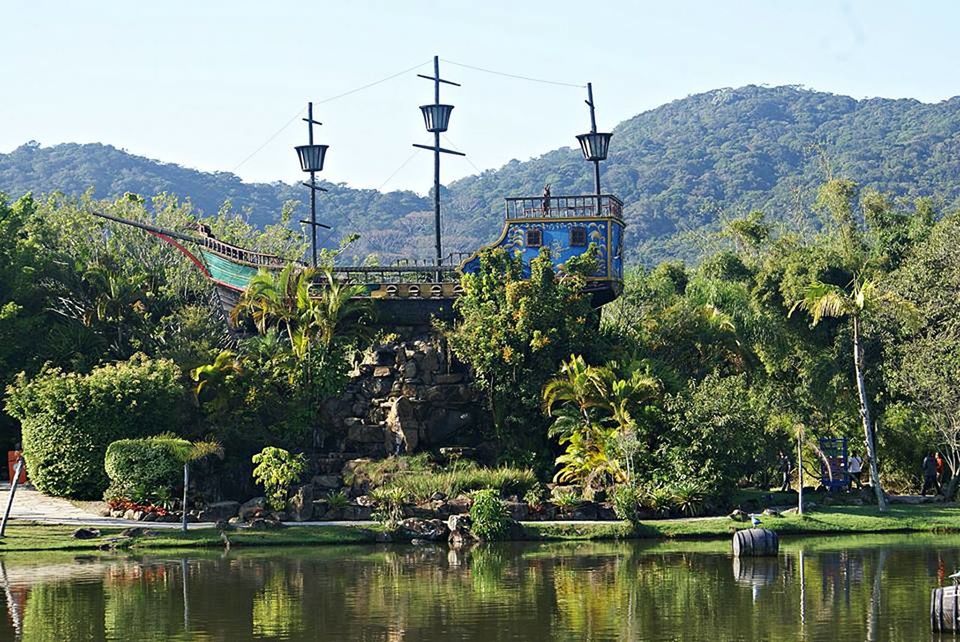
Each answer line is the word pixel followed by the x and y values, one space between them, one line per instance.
pixel 205 83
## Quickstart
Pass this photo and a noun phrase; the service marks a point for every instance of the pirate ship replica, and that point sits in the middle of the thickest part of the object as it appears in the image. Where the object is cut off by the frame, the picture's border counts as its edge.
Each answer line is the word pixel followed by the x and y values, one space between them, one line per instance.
pixel 412 291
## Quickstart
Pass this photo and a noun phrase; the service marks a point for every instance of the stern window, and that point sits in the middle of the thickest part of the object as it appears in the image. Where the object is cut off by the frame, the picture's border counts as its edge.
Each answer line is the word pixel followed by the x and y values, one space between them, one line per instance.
pixel 578 237
pixel 534 238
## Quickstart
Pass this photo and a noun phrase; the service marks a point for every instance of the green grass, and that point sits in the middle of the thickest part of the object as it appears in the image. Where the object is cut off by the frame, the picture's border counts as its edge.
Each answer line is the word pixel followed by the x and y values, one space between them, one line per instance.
pixel 46 537
pixel 835 520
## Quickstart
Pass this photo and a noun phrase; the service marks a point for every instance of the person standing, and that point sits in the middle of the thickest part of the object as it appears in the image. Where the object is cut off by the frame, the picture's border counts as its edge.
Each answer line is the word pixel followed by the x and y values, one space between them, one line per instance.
pixel 929 474
pixel 939 459
pixel 783 465
pixel 855 470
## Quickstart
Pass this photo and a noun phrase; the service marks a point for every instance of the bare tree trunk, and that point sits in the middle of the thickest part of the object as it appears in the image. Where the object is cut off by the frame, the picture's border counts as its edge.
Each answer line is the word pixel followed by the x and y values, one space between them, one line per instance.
pixel 800 470
pixel 865 415
pixel 186 482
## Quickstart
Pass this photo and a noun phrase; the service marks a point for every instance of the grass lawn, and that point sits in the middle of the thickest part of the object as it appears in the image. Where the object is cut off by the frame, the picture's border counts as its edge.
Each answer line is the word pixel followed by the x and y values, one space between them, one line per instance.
pixel 49 537
pixel 834 520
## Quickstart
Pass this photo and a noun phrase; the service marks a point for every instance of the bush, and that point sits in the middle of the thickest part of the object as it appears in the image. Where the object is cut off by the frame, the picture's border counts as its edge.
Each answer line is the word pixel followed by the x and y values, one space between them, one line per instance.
pixel 389 510
pixel 488 515
pixel 140 470
pixel 276 470
pixel 626 503
pixel 68 420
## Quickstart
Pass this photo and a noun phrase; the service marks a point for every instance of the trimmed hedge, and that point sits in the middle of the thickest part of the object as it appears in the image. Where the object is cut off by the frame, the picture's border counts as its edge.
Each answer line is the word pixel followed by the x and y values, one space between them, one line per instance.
pixel 140 470
pixel 69 419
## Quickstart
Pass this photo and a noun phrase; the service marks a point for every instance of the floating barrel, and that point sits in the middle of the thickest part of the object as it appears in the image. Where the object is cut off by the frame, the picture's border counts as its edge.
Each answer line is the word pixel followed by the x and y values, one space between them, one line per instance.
pixel 755 542
pixel 945 609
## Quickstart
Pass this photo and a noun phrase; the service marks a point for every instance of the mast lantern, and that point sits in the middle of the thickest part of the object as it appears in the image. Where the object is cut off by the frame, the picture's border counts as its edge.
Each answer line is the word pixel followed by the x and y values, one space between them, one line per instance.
pixel 594 145
pixel 311 157
pixel 436 117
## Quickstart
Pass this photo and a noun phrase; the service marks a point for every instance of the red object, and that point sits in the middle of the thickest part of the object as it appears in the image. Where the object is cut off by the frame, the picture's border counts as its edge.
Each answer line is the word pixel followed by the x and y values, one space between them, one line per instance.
pixel 12 457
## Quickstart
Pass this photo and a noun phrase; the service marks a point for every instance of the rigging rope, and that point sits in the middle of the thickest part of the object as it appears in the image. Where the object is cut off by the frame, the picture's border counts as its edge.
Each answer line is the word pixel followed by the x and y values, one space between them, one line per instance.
pixel 397 171
pixel 516 76
pixel 321 102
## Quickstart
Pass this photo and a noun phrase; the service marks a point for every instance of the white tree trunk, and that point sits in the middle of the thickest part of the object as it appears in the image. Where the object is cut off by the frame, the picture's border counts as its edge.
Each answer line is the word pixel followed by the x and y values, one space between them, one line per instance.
pixel 186 482
pixel 865 415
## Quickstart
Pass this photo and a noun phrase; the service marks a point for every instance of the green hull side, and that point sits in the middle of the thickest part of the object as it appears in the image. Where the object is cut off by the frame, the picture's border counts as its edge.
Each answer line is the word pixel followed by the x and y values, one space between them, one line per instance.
pixel 227 272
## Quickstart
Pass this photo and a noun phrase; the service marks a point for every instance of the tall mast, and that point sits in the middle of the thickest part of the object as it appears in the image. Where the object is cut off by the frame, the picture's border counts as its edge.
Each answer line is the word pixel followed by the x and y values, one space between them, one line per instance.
pixel 311 160
pixel 436 118
pixel 594 145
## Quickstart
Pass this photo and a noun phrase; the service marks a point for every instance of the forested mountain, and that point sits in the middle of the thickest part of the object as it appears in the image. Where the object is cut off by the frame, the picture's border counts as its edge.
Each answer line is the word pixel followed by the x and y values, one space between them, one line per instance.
pixel 679 168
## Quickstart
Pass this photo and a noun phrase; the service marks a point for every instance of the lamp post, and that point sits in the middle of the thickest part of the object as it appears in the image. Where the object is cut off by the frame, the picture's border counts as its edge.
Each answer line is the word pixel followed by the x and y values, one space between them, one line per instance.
pixel 594 145
pixel 436 118
pixel 311 160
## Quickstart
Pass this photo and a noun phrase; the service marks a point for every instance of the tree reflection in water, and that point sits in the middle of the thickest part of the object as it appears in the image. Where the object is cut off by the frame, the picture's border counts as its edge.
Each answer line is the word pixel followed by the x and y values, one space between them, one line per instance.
pixel 868 589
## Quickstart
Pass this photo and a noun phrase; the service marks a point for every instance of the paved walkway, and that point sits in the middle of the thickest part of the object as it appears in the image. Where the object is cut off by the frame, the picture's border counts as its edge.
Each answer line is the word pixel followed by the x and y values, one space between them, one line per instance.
pixel 32 505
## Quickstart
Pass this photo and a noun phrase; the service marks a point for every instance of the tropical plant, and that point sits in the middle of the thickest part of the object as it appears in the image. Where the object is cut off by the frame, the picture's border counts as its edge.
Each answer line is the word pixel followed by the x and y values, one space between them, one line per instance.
pixel 389 505
pixel 276 470
pixel 488 516
pixel 140 470
pixel 185 452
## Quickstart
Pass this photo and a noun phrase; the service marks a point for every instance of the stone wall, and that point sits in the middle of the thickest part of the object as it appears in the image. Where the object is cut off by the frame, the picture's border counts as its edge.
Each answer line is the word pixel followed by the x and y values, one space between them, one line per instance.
pixel 407 395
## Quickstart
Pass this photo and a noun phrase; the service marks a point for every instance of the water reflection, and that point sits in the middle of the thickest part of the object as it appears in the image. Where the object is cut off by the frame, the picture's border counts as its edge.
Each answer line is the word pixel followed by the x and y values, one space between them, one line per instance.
pixel 823 589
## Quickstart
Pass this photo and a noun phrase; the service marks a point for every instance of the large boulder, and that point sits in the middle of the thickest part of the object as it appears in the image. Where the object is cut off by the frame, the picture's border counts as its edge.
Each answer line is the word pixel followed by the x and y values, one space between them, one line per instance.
pixel 252 508
pixel 327 482
pixel 402 426
pixel 431 530
pixel 218 511
pixel 300 505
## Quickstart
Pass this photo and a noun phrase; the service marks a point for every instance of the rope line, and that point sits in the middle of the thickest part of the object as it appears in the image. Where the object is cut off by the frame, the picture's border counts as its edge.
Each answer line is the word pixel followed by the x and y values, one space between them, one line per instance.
pixel 516 76
pixel 321 102
pixel 268 141
pixel 457 148
pixel 397 171
pixel 368 86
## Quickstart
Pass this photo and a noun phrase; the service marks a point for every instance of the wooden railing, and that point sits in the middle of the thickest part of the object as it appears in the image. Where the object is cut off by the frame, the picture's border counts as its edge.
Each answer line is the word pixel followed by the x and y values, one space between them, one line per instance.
pixel 563 207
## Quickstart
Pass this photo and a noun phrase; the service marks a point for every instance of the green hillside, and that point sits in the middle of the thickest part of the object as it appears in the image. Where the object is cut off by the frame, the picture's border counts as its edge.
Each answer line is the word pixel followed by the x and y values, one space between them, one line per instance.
pixel 679 168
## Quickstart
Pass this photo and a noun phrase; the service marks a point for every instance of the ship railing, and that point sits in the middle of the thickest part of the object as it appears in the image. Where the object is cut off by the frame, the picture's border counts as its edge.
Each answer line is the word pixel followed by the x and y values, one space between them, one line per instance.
pixel 525 207
pixel 241 254
pixel 376 274
pixel 453 259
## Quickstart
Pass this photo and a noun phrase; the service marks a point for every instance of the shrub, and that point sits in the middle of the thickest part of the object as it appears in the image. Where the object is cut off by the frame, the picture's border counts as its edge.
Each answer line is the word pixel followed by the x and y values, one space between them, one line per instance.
pixel 276 470
pixel 626 503
pixel 140 470
pixel 660 499
pixel 68 420
pixel 488 515
pixel 338 500
pixel 565 498
pixel 689 497
pixel 389 510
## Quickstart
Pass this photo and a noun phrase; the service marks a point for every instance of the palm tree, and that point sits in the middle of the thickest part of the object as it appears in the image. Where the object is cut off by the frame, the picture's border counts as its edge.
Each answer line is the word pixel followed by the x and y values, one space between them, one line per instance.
pixel 857 299
pixel 185 452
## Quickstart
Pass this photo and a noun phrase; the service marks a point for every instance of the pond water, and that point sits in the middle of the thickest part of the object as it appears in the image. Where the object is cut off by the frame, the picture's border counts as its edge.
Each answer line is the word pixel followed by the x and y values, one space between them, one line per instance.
pixel 851 588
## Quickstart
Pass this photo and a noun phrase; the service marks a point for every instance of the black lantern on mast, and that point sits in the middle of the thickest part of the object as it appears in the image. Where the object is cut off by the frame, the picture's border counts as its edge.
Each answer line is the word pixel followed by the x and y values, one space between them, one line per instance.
pixel 436 118
pixel 311 160
pixel 594 145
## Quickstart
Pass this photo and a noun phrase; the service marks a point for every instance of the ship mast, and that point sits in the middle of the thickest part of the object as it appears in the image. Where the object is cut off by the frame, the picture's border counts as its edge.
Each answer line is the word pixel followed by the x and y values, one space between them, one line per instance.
pixel 436 118
pixel 594 145
pixel 311 160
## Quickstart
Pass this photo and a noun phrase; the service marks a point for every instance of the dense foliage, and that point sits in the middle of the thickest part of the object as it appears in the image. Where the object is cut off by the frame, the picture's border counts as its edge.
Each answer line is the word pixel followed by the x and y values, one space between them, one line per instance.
pixel 514 331
pixel 69 419
pixel 141 470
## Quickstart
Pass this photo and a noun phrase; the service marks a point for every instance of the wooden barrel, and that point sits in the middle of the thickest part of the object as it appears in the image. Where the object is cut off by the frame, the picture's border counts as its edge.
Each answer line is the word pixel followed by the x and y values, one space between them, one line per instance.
pixel 945 609
pixel 755 542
